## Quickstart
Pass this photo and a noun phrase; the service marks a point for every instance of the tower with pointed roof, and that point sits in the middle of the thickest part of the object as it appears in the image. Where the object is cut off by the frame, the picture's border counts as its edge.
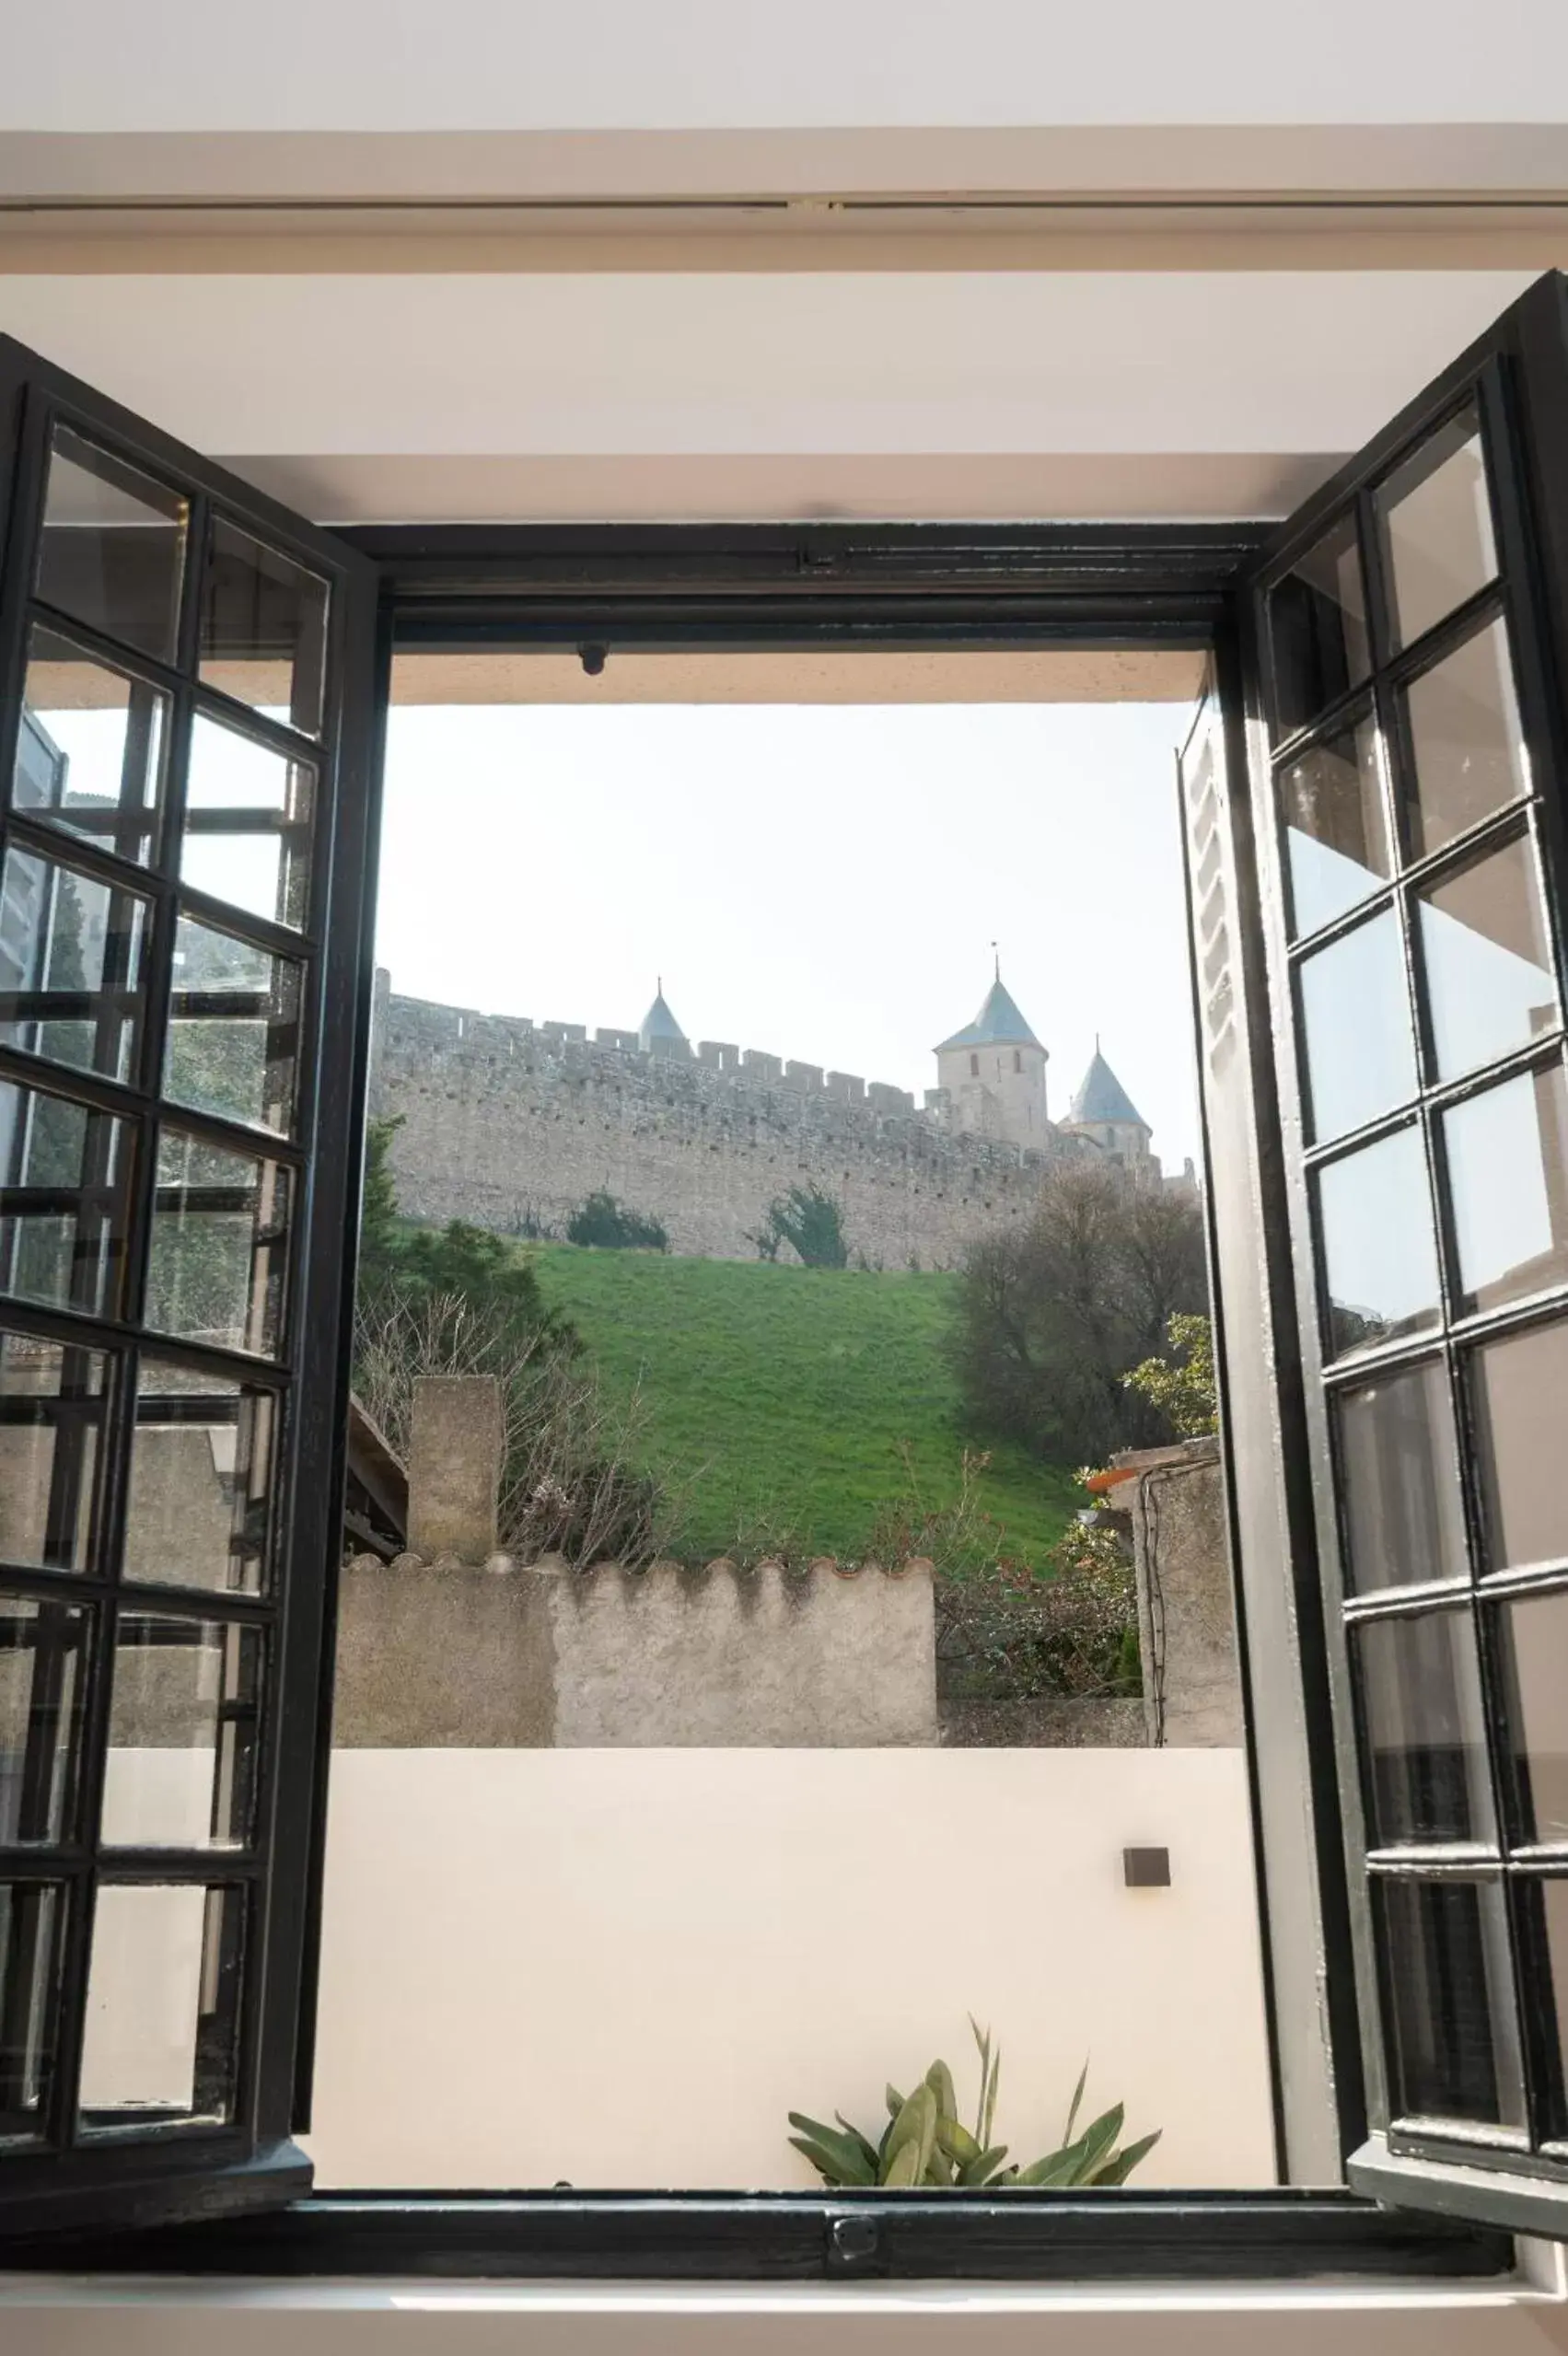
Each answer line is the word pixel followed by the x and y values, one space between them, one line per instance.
pixel 993 1073
pixel 660 1033
pixel 1104 1113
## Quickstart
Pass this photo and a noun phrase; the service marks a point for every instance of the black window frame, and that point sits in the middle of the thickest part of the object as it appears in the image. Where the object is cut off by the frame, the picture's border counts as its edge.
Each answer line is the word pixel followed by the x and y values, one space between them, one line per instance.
pixel 591 588
pixel 1514 380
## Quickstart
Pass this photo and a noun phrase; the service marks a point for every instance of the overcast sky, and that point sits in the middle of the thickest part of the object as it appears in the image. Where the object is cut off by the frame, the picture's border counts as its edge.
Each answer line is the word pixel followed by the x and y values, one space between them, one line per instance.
pixel 821 881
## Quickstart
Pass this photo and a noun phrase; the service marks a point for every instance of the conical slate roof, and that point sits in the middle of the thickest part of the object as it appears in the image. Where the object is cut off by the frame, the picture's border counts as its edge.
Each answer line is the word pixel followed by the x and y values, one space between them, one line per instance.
pixel 659 1023
pixel 1102 1097
pixel 998 1023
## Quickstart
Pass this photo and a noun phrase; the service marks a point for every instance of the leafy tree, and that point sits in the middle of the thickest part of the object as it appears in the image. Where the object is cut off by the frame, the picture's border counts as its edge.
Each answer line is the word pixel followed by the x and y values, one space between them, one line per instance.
pixel 463 1301
pixel 613 1226
pixel 810 1221
pixel 378 1203
pixel 457 1264
pixel 1057 1312
pixel 1182 1385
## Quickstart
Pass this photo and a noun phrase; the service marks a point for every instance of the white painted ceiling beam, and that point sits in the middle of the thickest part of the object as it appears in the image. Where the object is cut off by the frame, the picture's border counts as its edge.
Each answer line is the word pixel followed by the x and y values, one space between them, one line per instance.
pixel 985 393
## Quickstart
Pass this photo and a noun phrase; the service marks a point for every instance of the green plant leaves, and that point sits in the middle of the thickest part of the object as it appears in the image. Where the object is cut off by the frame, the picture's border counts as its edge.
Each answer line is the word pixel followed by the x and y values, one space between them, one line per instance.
pixel 1077 2098
pixel 1076 2163
pixel 870 2152
pixel 957 2142
pixel 939 2078
pixel 924 2143
pixel 840 2159
pixel 1120 2166
pixel 913 2130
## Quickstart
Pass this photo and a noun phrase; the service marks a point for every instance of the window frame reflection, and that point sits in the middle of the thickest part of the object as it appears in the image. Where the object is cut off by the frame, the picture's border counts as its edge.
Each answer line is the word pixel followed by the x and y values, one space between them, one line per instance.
pixel 289 823
pixel 93 454
pixel 269 1204
pixel 134 828
pixel 1416 1328
pixel 95 1206
pixel 1446 1059
pixel 215 1718
pixel 1406 1662
pixel 1410 476
pixel 1414 836
pixel 1473 1291
pixel 41 1810
pixel 1322 745
pixel 177 1394
pixel 112 1004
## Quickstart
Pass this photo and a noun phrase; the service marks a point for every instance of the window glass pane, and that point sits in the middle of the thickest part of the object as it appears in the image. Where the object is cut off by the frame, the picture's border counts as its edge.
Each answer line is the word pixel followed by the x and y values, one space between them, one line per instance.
pixel 1336 835
pixel 1543 1900
pixel 1449 2025
pixel 200 1508
pixel 1399 1480
pixel 1423 1729
pixel 1356 1029
pixel 63 1176
pixel 1318 625
pixel 52 1405
pixel 41 1694
pixel 234 1028
pixel 182 1726
pixel 71 965
pixel 1507 1154
pixel 1486 960
pixel 1380 1258
pixel 112 550
pixel 1534 1650
pixel 173 2057
pixel 90 747
pixel 220 1245
pixel 248 814
pixel 1464 741
pixel 1517 1386
pixel 264 629
pixel 29 1966
pixel 1437 516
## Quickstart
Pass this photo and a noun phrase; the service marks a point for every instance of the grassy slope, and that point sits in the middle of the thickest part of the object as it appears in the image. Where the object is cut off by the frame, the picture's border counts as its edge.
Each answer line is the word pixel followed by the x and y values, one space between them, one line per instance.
pixel 787 1393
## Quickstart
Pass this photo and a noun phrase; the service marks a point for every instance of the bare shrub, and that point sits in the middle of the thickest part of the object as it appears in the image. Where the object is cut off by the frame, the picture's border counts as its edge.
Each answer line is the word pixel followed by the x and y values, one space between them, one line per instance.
pixel 571 1483
pixel 1054 1313
pixel 1012 1635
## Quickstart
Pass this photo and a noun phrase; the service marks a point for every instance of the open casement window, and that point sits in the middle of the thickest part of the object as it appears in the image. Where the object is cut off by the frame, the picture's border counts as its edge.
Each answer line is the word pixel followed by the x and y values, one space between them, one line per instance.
pixel 185 676
pixel 1403 670
pixel 1374 792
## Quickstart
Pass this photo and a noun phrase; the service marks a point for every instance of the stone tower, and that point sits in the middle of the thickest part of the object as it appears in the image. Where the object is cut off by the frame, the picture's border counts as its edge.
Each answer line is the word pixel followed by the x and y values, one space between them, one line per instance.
pixel 993 1073
pixel 660 1033
pixel 1104 1113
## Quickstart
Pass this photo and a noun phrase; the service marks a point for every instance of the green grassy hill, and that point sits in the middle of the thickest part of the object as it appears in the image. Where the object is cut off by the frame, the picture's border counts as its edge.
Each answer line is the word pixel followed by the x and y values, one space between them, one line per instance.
pixel 783 1399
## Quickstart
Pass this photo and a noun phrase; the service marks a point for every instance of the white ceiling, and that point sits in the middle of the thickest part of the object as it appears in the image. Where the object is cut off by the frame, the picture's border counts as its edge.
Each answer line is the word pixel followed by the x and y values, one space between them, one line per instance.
pixel 1211 352
pixel 958 393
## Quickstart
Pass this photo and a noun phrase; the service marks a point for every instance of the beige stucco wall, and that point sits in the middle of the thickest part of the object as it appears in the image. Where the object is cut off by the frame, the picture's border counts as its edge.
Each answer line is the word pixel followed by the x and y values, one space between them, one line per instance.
pixel 623 1968
pixel 447 1657
pixel 1186 1608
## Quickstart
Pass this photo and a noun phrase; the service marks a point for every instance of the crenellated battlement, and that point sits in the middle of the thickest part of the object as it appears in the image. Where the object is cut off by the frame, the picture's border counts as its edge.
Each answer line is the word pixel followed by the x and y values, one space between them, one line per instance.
pixel 511 1122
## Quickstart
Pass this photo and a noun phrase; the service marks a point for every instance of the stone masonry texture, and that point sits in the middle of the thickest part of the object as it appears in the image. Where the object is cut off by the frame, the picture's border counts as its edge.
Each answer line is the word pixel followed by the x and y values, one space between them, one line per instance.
pixel 435 1655
pixel 510 1125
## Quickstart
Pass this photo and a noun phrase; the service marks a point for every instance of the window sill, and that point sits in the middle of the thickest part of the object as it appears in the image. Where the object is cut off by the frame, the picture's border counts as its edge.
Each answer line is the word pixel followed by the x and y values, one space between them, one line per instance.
pixel 162 2316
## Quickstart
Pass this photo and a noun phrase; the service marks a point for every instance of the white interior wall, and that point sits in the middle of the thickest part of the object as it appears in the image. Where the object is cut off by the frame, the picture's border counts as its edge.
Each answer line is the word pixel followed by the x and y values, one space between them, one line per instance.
pixel 624 1967
pixel 788 361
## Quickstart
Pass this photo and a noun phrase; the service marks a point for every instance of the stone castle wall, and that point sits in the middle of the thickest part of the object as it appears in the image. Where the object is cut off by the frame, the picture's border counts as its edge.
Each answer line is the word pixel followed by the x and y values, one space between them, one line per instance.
pixel 511 1125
